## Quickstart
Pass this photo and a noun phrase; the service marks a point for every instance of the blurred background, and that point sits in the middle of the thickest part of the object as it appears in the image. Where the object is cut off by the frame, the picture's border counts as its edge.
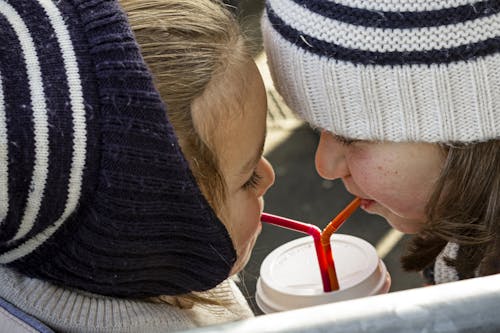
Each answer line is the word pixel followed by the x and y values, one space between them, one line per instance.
pixel 299 193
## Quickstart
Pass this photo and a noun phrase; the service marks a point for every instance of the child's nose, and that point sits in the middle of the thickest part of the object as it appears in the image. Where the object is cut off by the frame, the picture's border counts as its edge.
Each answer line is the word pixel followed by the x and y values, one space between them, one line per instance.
pixel 268 176
pixel 330 159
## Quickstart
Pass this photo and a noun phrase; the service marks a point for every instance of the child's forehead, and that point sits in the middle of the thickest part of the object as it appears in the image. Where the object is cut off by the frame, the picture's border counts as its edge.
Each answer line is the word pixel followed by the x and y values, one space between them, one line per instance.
pixel 232 98
pixel 242 87
pixel 223 102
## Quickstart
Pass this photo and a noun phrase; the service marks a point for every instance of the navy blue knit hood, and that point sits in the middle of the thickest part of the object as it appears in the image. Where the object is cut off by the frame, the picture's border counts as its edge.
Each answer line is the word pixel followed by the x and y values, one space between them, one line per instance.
pixel 95 193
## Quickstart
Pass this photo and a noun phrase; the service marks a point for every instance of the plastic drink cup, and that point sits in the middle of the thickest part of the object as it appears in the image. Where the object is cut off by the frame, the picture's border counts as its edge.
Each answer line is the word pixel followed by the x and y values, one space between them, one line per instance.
pixel 290 277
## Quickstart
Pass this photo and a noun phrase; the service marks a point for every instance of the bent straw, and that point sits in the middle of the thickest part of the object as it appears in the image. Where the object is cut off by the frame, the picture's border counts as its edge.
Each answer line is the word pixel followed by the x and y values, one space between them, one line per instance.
pixel 325 241
pixel 309 229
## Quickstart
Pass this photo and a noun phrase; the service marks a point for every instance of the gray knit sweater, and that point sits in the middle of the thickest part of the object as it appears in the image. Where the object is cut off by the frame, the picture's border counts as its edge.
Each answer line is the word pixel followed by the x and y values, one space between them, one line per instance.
pixel 69 310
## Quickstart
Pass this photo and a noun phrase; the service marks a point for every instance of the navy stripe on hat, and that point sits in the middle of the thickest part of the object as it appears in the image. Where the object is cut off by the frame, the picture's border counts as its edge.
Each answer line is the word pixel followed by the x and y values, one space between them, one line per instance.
pixel 85 118
pixel 356 56
pixel 57 124
pixel 56 105
pixel 58 110
pixel 20 147
pixel 135 222
pixel 401 20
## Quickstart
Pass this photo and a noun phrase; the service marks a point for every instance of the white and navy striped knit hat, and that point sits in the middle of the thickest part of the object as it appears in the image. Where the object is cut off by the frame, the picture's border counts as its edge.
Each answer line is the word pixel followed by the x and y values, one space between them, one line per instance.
pixel 389 70
pixel 95 193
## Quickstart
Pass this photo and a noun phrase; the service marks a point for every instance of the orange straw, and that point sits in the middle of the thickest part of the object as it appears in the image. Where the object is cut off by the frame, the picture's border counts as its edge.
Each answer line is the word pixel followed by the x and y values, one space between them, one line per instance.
pixel 325 240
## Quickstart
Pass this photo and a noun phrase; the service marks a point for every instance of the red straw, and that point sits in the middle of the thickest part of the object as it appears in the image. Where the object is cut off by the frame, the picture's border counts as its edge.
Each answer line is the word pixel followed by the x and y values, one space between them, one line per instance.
pixel 325 241
pixel 309 229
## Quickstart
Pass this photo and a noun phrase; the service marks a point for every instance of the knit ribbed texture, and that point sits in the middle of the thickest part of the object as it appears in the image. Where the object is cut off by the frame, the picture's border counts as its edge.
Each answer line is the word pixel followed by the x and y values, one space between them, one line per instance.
pixel 67 310
pixel 389 70
pixel 442 272
pixel 95 191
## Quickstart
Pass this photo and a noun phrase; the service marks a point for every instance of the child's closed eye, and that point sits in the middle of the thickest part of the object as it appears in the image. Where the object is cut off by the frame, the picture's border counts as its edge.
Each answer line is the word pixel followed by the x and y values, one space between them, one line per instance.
pixel 253 182
pixel 344 141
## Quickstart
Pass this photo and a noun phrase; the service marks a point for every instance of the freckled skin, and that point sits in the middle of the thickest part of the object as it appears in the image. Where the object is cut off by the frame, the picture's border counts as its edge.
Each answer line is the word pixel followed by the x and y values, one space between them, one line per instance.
pixel 396 178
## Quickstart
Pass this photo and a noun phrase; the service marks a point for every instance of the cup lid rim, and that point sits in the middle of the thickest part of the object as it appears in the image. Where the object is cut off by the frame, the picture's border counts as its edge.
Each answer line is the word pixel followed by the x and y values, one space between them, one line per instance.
pixel 268 262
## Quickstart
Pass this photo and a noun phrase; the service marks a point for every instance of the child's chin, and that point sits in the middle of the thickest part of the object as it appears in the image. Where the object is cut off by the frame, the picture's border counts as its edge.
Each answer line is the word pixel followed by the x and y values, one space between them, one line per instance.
pixel 405 226
pixel 239 265
pixel 366 204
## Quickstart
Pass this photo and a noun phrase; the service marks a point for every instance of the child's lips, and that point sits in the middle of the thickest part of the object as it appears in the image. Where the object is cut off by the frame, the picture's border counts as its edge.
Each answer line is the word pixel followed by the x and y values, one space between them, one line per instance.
pixel 366 203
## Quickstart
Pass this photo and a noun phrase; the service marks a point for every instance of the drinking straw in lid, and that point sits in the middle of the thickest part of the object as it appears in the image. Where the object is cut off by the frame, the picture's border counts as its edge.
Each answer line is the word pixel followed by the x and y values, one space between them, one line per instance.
pixel 325 241
pixel 321 240
pixel 309 229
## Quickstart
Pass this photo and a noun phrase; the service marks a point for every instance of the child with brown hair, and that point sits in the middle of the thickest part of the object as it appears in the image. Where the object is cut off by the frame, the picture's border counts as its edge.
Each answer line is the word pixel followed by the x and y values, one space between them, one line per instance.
pixel 106 211
pixel 406 95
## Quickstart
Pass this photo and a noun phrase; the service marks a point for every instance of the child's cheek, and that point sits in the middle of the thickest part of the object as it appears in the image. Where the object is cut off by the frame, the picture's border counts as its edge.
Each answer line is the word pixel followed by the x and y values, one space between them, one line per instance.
pixel 374 175
pixel 363 168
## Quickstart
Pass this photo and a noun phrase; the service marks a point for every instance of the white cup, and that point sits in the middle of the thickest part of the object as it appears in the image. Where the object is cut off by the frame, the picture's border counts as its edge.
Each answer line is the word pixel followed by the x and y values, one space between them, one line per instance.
pixel 290 277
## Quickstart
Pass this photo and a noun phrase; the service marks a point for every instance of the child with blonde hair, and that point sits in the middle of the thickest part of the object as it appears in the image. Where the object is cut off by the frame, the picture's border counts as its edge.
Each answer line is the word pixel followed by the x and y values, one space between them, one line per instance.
pixel 131 168
pixel 406 95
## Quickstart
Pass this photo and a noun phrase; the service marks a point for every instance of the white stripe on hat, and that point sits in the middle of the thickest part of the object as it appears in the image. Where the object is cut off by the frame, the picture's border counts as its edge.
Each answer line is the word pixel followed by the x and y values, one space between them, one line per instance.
pixel 404 5
pixel 382 39
pixel 79 127
pixel 41 129
pixel 464 92
pixel 4 159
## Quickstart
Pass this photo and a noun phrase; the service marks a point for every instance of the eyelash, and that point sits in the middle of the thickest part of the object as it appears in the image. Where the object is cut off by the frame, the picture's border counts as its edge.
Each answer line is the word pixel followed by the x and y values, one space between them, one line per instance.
pixel 344 141
pixel 253 182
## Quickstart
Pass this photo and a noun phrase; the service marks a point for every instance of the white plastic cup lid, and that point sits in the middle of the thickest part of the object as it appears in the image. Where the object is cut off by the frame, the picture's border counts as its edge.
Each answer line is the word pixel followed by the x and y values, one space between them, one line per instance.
pixel 290 276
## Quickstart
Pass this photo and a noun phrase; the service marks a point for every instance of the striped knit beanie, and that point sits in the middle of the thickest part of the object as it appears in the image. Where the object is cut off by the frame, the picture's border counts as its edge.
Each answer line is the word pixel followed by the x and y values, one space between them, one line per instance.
pixel 95 193
pixel 394 70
